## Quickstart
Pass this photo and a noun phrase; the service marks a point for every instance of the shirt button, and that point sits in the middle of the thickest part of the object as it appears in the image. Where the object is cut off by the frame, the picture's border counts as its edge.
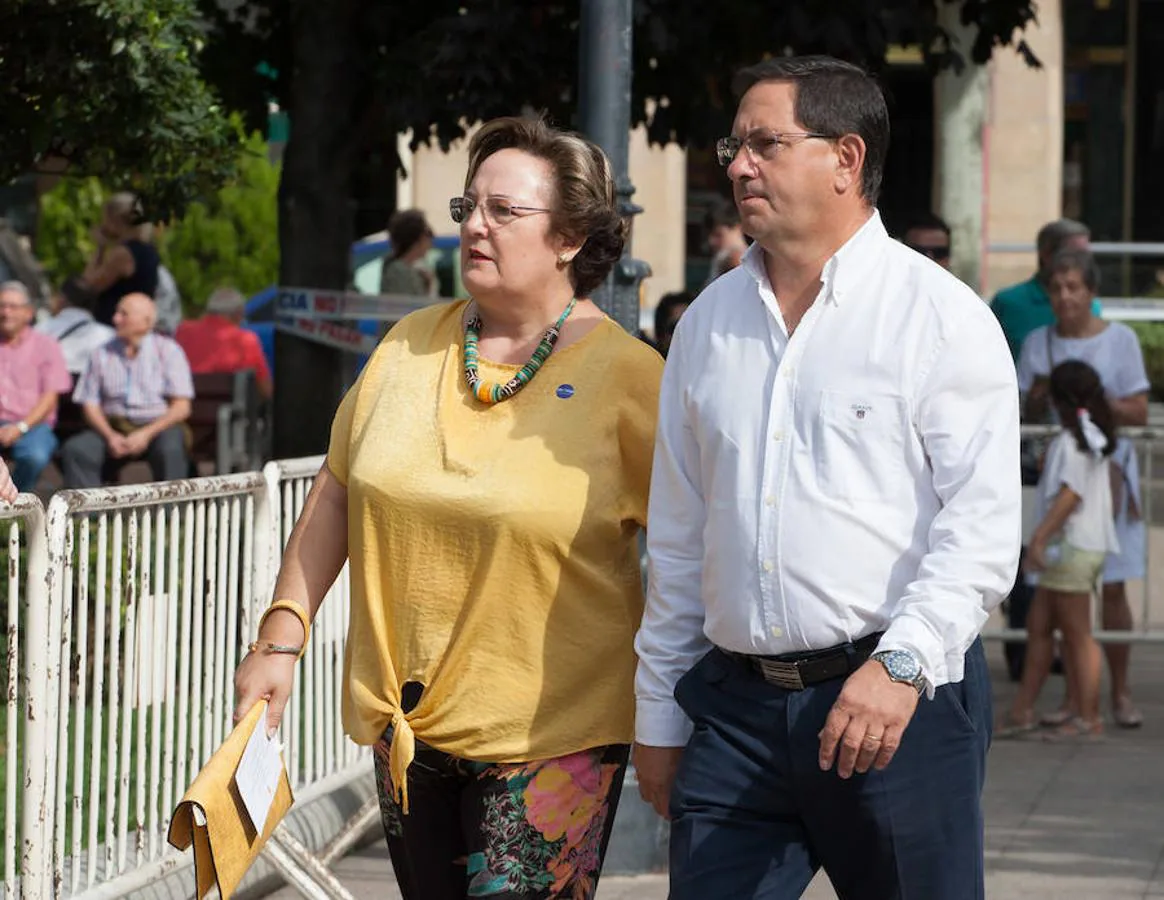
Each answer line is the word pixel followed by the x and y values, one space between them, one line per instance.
pixel 767 566
pixel 777 436
pixel 770 500
pixel 789 371
pixel 777 631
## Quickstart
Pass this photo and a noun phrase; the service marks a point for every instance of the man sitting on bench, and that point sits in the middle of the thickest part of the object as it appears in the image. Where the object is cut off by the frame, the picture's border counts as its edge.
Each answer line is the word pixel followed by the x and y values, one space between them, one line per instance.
pixel 135 395
pixel 218 343
pixel 32 375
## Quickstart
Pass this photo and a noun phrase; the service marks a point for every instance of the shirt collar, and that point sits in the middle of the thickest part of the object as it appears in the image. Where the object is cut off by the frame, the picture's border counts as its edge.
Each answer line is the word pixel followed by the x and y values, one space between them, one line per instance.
pixel 845 269
pixel 20 339
pixel 121 345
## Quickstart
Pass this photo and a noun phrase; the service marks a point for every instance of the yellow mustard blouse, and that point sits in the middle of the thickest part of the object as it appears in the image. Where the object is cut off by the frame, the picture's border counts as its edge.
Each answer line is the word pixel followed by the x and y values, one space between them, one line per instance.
pixel 493 549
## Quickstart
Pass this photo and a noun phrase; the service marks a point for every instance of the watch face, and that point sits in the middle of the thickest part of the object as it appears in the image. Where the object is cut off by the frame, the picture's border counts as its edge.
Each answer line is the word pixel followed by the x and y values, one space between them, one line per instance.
pixel 902 665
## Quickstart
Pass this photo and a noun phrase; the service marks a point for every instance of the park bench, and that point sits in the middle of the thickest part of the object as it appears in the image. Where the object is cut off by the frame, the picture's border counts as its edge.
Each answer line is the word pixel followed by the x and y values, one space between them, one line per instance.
pixel 228 420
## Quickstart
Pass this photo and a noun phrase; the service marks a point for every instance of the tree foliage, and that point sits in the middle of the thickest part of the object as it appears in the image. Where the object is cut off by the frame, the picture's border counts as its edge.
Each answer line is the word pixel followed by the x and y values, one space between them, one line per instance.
pixel 68 212
pixel 230 237
pixel 440 66
pixel 112 88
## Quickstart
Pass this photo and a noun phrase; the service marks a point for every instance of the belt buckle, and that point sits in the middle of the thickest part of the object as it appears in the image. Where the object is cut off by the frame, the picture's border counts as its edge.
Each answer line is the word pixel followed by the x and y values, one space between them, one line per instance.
pixel 782 674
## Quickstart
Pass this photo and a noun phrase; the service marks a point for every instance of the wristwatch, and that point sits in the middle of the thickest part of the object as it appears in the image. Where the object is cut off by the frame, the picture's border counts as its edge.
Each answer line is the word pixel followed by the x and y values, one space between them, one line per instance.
pixel 22 427
pixel 902 667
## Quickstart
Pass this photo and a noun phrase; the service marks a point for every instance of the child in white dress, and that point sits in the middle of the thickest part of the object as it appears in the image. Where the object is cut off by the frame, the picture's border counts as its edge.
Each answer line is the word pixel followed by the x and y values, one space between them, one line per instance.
pixel 1067 551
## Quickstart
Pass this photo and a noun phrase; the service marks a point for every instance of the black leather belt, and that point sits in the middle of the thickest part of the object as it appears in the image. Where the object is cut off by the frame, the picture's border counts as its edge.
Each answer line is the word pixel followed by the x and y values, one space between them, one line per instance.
pixel 796 671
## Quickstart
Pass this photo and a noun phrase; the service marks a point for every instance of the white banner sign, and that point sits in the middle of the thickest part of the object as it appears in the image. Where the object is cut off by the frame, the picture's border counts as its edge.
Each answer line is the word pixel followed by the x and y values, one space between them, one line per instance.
pixel 308 303
pixel 342 337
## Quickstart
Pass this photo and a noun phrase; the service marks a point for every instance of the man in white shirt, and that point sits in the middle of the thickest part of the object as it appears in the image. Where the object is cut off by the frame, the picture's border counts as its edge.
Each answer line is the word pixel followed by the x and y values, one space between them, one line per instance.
pixel 835 508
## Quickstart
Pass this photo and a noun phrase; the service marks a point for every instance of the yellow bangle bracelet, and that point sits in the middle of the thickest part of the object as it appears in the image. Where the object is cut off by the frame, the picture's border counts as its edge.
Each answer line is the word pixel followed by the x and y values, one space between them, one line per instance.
pixel 298 610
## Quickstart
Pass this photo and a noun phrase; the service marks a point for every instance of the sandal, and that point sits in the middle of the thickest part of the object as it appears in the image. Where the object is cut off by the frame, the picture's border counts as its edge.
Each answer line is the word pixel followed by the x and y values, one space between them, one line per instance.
pixel 1076 730
pixel 1126 715
pixel 1008 728
pixel 1057 717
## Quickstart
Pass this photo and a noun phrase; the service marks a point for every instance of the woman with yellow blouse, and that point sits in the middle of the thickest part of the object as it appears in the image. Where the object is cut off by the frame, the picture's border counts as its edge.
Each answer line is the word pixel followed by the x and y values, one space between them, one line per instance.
pixel 487 478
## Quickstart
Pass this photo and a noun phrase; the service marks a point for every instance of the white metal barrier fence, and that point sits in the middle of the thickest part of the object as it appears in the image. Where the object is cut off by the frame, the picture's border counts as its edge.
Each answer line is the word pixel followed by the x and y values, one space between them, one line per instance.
pixel 26 720
pixel 1147 629
pixel 129 609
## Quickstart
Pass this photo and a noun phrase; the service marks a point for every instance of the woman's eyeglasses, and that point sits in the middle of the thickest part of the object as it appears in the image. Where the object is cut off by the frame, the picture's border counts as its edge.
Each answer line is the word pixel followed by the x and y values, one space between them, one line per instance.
pixel 497 211
pixel 761 144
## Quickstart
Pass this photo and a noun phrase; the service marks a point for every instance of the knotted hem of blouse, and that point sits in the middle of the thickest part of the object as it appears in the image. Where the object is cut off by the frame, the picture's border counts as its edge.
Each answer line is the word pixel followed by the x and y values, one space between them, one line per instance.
pixel 401 752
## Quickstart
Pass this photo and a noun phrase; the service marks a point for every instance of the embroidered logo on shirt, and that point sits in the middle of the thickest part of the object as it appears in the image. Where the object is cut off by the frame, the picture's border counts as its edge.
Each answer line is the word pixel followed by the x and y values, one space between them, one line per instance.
pixel 565 391
pixel 860 410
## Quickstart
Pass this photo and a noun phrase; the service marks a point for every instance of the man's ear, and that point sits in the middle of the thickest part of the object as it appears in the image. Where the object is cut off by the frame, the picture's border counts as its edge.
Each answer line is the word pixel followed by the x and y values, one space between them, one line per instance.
pixel 850 162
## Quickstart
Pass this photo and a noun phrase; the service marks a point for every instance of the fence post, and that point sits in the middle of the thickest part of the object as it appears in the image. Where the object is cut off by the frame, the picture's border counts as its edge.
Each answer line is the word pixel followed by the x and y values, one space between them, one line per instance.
pixel 268 531
pixel 35 822
pixel 42 662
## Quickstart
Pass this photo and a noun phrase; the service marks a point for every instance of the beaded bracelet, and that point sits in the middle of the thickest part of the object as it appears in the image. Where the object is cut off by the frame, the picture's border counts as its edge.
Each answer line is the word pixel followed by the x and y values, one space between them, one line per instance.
pixel 299 611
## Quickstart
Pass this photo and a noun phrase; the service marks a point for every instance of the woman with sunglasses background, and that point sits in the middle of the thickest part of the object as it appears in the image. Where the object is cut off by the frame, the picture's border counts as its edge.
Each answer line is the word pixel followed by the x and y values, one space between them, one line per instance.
pixel 487 479
pixel 929 235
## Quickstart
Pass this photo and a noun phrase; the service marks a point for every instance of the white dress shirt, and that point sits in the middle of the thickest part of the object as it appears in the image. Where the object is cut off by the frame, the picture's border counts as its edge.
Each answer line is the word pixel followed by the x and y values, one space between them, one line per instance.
pixel 860 476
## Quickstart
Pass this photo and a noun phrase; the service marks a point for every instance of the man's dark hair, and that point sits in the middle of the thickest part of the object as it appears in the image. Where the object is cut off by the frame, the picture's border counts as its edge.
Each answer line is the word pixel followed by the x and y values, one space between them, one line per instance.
pixel 834 98
pixel 722 213
pixel 667 303
pixel 925 221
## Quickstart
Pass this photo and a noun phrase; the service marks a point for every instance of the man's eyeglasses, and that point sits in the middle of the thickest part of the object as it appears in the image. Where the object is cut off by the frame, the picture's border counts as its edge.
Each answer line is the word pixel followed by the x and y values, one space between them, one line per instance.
pixel 496 210
pixel 761 145
pixel 935 253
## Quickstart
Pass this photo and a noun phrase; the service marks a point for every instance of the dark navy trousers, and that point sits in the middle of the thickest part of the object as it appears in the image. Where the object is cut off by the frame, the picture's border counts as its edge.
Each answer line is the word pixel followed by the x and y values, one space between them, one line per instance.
pixel 753 815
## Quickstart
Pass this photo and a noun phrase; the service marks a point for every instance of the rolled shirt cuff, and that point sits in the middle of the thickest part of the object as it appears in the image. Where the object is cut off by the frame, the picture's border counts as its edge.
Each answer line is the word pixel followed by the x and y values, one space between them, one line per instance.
pixel 661 723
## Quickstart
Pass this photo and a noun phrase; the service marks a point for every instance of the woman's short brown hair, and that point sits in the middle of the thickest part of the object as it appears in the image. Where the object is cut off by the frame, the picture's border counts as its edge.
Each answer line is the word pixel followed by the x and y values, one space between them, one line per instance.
pixel 1071 259
pixel 583 206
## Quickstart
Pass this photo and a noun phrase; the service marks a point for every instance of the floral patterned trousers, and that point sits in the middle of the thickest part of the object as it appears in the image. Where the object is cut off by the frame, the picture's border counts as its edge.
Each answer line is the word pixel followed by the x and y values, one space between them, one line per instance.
pixel 512 831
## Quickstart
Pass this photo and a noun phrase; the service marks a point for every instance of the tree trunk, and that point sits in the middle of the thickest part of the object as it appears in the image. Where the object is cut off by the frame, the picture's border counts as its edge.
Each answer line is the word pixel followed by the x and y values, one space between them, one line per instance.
pixel 959 121
pixel 315 213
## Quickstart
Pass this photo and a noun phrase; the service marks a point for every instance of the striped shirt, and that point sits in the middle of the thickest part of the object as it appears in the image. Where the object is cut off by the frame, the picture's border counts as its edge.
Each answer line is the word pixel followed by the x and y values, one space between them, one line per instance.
pixel 140 388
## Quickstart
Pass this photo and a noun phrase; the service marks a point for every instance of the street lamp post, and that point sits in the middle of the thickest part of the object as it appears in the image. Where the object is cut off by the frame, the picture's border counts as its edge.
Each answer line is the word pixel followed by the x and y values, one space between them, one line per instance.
pixel 604 81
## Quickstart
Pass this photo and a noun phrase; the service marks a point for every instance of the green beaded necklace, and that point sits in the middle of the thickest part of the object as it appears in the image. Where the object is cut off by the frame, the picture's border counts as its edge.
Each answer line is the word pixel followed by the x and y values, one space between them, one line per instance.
pixel 490 392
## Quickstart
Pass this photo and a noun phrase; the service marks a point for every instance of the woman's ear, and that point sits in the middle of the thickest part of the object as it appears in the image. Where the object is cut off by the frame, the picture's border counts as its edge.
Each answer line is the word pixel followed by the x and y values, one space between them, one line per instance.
pixel 567 248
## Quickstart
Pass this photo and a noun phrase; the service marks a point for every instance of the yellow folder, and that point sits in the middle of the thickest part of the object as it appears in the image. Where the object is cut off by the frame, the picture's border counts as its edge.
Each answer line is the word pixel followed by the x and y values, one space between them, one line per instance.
pixel 213 818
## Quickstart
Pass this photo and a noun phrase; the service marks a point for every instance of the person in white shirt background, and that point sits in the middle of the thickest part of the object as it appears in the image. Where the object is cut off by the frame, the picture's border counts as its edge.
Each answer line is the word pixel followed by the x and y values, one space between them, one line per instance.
pixel 1114 351
pixel 835 509
pixel 73 325
pixel 1076 531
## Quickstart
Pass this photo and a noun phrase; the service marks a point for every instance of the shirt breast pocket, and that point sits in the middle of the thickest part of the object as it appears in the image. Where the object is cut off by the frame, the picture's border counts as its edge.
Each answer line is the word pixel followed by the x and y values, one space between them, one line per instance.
pixel 861 446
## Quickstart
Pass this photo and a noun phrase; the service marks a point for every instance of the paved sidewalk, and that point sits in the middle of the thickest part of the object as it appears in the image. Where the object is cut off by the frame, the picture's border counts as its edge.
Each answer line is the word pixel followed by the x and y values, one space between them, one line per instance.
pixel 1063 822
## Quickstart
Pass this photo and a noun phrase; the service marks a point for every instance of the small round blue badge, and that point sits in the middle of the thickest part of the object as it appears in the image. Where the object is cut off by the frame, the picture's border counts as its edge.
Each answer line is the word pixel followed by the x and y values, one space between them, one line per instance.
pixel 565 391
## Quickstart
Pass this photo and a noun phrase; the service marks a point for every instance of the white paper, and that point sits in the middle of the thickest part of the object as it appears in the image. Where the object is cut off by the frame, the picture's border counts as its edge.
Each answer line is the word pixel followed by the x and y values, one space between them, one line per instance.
pixel 257 775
